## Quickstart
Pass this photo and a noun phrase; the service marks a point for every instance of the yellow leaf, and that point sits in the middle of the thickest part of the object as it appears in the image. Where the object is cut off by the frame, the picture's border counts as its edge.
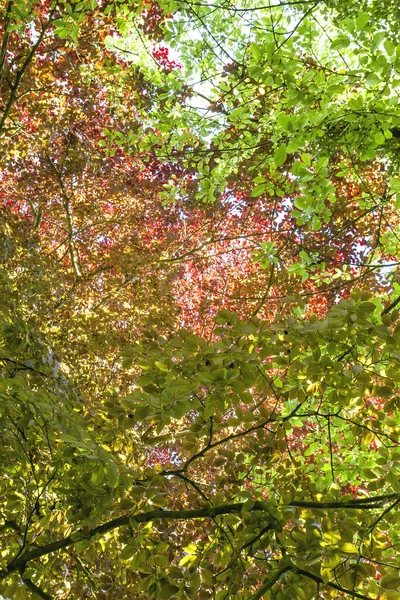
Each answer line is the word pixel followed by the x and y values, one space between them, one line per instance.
pixel 160 365
pixel 332 537
pixel 348 548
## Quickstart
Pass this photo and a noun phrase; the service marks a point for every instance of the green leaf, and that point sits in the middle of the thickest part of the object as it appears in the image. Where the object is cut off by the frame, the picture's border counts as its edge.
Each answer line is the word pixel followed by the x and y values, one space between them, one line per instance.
pixel 341 42
pixel 179 409
pixel 333 537
pixel 316 224
pixel 283 120
pixel 83 545
pixel 160 365
pixel 361 20
pixel 373 79
pixel 142 412
pixel 258 190
pixel 280 155
pixel 168 591
pixel 248 505
pixel 390 582
pixel 379 138
pixel 127 552
pixel 190 548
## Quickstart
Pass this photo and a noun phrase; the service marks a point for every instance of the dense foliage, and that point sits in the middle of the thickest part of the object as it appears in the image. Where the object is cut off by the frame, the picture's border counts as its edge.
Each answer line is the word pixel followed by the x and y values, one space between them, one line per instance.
pixel 199 334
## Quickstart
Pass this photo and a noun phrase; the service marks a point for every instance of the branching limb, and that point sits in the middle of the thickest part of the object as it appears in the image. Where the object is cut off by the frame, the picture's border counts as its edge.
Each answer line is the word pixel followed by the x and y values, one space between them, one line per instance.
pixel 32 586
pixel 20 73
pixel 331 584
pixel 382 515
pixel 390 307
pixel 21 366
pixel 270 582
pixel 209 512
pixel 6 34
pixel 73 251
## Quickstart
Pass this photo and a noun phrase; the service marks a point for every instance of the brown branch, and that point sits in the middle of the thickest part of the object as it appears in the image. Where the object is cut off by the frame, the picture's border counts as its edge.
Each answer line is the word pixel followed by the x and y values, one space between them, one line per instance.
pixel 124 521
pixel 210 446
pixel 35 589
pixel 308 12
pixel 73 251
pixel 183 515
pixel 390 307
pixel 232 8
pixel 270 582
pixel 361 503
pixel 265 296
pixel 22 366
pixel 3 51
pixel 351 593
pixel 228 438
pixel 381 516
pixel 20 73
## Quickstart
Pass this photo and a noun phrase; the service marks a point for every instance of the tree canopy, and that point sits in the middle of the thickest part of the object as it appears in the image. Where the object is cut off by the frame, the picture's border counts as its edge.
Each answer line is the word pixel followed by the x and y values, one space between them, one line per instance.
pixel 199 275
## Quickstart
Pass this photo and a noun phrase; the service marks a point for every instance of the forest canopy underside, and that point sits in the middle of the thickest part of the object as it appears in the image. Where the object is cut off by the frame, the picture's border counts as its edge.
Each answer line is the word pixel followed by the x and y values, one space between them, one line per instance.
pixel 199 299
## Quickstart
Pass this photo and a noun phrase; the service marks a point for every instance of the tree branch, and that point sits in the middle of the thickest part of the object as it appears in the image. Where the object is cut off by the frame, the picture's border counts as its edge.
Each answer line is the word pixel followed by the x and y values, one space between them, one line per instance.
pixel 14 87
pixel 32 586
pixel 391 306
pixel 6 35
pixel 270 582
pixel 73 251
pixel 362 503
pixel 183 515
pixel 351 593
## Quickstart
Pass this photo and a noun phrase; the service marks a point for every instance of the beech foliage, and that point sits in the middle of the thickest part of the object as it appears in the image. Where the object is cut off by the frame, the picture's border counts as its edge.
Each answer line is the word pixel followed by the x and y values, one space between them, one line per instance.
pixel 199 276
